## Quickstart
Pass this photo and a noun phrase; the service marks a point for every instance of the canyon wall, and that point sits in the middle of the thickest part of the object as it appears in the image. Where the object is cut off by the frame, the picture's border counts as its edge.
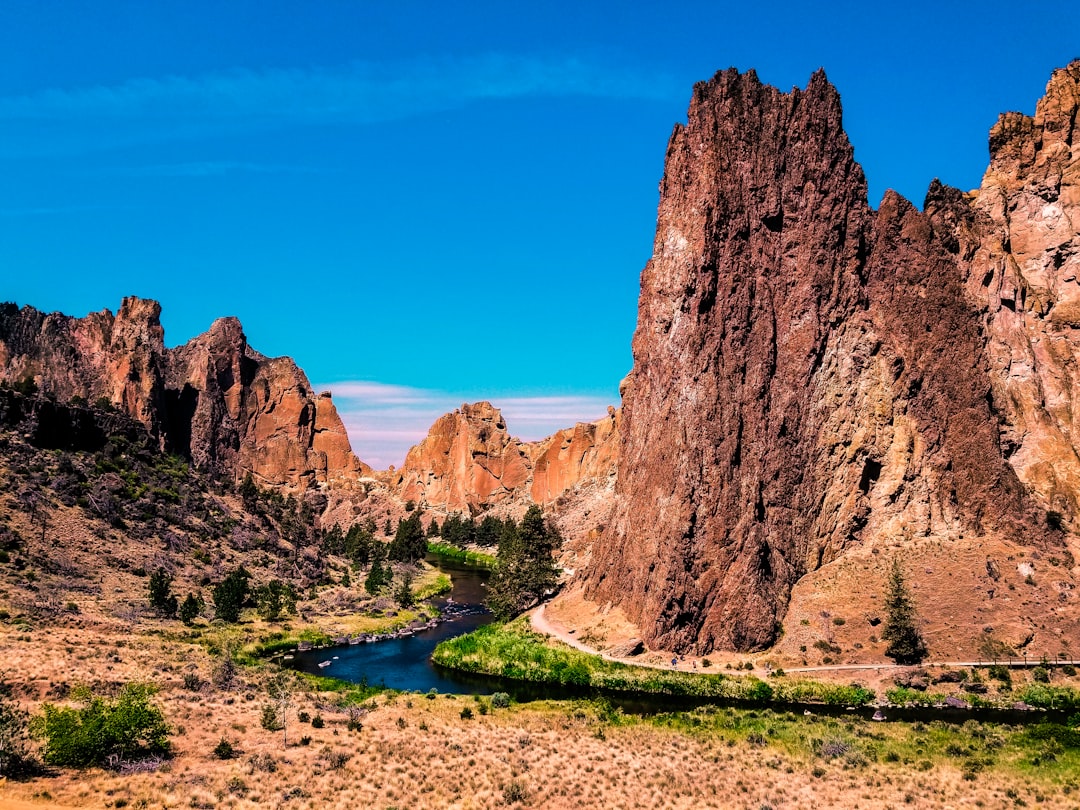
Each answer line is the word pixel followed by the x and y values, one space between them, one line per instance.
pixel 811 376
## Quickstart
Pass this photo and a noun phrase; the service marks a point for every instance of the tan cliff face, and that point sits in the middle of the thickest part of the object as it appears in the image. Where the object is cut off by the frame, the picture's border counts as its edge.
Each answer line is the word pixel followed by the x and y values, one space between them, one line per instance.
pixel 1020 248
pixel 812 378
pixel 214 399
pixel 470 463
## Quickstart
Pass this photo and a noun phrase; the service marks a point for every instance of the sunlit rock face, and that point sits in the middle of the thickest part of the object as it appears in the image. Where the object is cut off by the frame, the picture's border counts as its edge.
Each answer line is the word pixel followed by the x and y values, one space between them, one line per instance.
pixel 214 400
pixel 470 463
pixel 811 376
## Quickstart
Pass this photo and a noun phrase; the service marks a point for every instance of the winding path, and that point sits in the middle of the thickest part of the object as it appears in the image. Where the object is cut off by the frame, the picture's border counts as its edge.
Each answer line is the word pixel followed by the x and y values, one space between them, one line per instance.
pixel 541 624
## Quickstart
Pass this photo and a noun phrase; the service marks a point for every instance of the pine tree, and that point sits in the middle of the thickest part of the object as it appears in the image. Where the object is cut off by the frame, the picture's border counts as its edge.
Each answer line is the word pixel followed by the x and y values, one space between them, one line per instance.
pixel 409 544
pixel 376 577
pixel 230 595
pixel 190 608
pixel 160 599
pixel 906 645
pixel 403 595
pixel 526 569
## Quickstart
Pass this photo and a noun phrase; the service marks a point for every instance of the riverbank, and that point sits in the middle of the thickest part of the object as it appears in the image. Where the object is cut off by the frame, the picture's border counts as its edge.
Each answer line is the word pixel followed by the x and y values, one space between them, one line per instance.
pixel 518 651
pixel 464 556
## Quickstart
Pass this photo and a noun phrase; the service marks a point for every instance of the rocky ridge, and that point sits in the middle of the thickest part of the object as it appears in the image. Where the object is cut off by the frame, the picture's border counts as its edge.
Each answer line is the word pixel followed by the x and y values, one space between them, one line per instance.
pixel 813 378
pixel 214 400
pixel 470 463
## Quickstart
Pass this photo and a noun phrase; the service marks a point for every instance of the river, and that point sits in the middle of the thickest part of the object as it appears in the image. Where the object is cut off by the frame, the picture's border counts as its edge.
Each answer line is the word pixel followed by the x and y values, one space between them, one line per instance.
pixel 405 664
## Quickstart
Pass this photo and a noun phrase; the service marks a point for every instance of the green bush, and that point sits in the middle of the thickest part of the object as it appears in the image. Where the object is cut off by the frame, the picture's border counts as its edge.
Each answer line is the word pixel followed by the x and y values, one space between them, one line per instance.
pixel 127 727
pixel 1040 674
pixel 500 700
pixel 225 750
pixel 317 721
pixel 269 718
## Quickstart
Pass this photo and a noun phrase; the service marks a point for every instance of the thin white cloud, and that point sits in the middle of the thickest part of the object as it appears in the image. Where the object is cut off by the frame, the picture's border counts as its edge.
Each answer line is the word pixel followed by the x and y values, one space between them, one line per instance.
pixel 208 168
pixel 384 421
pixel 79 119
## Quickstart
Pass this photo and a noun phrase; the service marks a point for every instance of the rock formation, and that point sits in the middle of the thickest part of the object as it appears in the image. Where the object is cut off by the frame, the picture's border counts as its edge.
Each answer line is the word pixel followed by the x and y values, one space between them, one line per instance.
pixel 213 400
pixel 811 377
pixel 470 463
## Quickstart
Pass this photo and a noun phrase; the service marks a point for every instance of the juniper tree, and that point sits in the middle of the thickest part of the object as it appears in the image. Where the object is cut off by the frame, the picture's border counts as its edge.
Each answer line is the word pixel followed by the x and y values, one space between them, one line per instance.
pixel 526 568
pixel 160 599
pixel 906 645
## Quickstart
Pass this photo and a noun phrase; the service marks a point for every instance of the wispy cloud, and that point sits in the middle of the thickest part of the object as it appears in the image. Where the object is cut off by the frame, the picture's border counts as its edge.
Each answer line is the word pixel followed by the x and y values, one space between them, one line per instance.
pixel 209 168
pixel 384 421
pixel 170 107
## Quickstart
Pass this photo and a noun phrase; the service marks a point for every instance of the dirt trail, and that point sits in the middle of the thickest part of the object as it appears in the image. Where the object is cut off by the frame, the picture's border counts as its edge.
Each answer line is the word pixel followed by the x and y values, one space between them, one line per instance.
pixel 542 624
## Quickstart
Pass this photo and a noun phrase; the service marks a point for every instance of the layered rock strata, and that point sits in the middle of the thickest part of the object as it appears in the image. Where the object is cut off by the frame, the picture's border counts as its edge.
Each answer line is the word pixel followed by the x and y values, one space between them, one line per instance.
pixel 214 400
pixel 811 376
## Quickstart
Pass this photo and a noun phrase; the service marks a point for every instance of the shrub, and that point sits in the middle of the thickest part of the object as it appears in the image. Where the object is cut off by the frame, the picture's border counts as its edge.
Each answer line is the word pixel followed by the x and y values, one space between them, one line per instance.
pixel 515 791
pixel 225 750
pixel 269 719
pixel 1040 674
pixel 317 721
pixel 126 727
pixel 500 700
pixel 466 713
pixel 14 737
pixel 192 682
pixel 303 717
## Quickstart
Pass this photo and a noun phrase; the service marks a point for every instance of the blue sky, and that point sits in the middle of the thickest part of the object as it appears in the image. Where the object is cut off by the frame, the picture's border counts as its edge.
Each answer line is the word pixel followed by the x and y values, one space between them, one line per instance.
pixel 432 203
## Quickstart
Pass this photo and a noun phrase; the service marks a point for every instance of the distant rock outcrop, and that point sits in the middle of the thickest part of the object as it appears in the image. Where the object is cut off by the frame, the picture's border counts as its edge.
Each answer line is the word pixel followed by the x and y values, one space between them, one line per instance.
pixel 811 376
pixel 214 400
pixel 470 463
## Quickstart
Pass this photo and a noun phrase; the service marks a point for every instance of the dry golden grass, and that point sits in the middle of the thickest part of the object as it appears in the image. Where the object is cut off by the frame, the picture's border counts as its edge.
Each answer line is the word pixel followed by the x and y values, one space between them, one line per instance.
pixel 419 753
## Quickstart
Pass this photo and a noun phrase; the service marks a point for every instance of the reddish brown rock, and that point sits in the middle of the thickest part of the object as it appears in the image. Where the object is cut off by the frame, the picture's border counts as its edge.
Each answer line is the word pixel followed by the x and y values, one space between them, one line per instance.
pixel 213 400
pixel 470 463
pixel 587 451
pixel 1019 244
pixel 809 377
pixel 467 462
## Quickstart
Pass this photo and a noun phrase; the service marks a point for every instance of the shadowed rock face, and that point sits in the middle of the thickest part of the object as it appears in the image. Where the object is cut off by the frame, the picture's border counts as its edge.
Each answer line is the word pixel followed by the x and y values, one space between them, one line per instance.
pixel 213 400
pixel 809 376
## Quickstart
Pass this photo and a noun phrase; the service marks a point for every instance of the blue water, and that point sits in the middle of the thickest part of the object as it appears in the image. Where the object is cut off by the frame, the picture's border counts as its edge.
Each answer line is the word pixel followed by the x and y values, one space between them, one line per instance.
pixel 405 663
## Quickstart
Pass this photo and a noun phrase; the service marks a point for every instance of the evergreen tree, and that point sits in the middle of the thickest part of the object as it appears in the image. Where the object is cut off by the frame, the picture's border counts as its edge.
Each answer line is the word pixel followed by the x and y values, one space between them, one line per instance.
pixel 190 608
pixel 274 598
pixel 388 529
pixel 375 578
pixel 346 580
pixel 409 543
pixel 358 543
pixel 230 595
pixel 403 595
pixel 160 599
pixel 526 569
pixel 906 645
pixel 433 528
pixel 249 492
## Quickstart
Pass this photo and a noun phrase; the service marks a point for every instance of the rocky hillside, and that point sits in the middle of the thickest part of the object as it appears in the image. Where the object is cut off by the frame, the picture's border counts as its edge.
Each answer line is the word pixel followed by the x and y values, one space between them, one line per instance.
pixel 814 379
pixel 215 400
